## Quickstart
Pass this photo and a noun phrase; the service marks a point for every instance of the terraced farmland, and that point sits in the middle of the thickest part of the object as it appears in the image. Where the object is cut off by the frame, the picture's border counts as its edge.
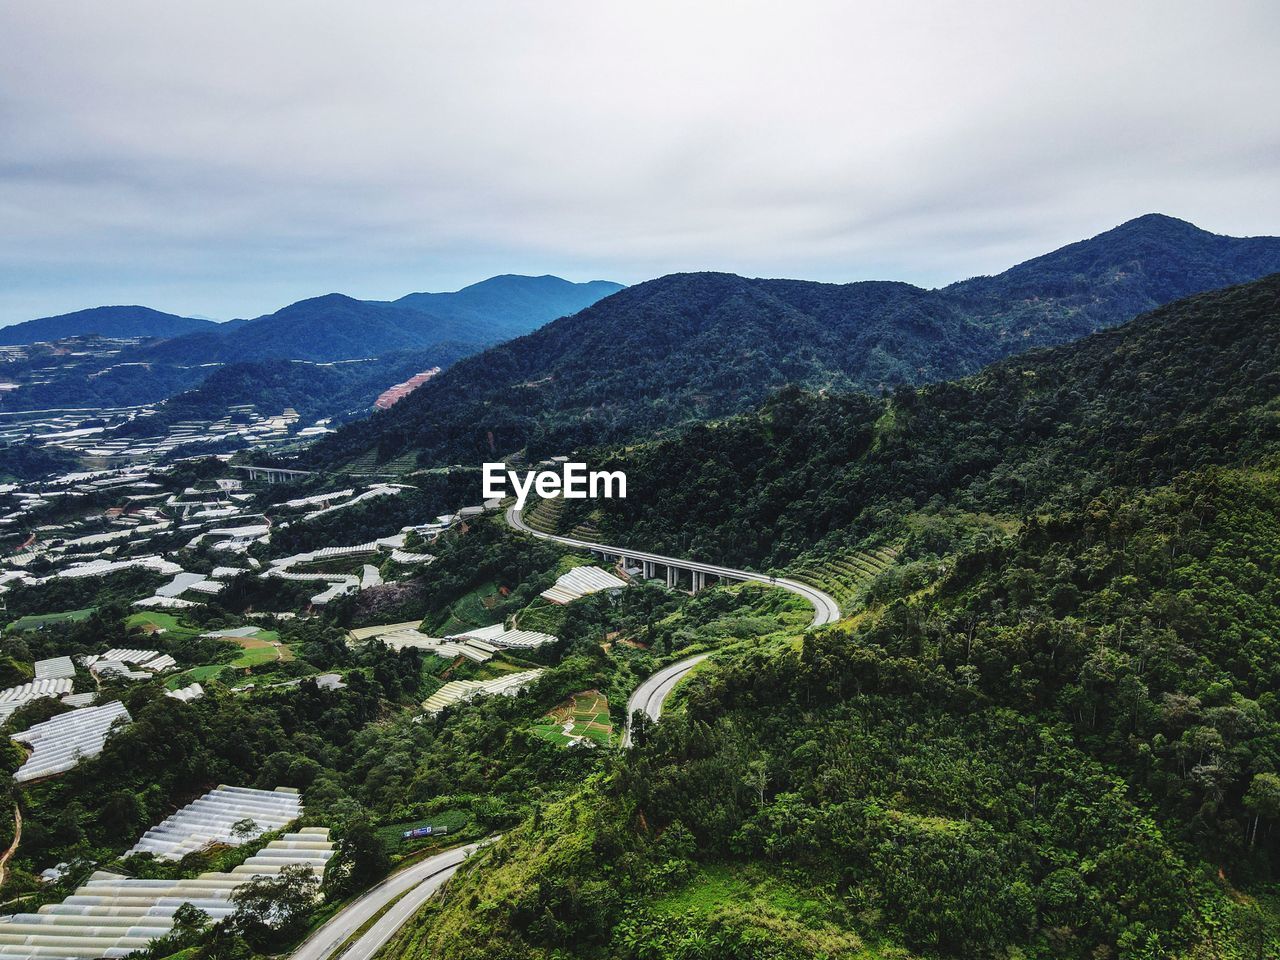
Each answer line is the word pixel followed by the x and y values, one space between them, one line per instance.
pixel 541 616
pixel 472 610
pixel 585 531
pixel 368 465
pixel 549 516
pixel 845 576
pixel 544 516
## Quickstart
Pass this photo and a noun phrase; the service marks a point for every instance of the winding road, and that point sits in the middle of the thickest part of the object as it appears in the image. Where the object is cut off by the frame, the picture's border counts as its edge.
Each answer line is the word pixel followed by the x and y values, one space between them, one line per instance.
pixel 414 886
pixel 653 692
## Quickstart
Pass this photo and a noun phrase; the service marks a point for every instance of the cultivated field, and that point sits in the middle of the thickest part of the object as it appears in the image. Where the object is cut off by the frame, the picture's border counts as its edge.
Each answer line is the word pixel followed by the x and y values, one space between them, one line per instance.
pixel 583 716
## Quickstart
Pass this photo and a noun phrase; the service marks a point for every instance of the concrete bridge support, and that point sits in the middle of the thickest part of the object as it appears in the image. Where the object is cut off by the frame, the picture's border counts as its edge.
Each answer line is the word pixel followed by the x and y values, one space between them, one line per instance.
pixel 272 474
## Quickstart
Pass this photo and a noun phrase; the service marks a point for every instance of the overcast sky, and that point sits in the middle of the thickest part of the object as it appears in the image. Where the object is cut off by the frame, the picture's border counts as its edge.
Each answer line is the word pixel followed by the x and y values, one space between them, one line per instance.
pixel 225 158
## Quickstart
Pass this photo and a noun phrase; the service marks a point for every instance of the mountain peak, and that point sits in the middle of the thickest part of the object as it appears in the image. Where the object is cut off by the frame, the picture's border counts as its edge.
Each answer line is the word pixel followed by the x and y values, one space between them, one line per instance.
pixel 1156 218
pixel 512 304
pixel 121 320
pixel 1157 223
pixel 546 284
pixel 324 300
pixel 697 346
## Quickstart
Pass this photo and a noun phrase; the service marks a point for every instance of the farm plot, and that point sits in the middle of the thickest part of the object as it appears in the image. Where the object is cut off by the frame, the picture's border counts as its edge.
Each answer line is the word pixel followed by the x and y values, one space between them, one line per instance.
pixel 583 718
pixel 262 647
pixel 152 621
pixel 36 621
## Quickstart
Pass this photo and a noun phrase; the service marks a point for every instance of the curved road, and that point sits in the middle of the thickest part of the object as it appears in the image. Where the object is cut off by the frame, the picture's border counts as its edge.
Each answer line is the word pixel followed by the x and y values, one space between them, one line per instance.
pixel 825 609
pixel 417 884
pixel 651 694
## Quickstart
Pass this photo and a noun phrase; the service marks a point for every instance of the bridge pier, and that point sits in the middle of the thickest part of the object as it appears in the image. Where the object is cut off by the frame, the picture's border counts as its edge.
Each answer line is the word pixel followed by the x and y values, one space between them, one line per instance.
pixel 272 474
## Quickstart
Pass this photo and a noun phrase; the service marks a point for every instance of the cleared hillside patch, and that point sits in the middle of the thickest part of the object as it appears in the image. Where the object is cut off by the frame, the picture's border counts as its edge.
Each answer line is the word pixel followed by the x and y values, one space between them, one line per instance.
pixel 583 716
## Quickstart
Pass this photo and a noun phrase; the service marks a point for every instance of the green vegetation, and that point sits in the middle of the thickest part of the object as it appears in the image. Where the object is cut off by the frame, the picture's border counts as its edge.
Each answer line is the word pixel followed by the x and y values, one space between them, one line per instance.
pixel 202 674
pixel 396 340
pixel 93 593
pixel 454 821
pixel 1190 385
pixel 544 515
pixel 34 621
pixel 474 609
pixel 1049 730
pixel 431 494
pixel 845 576
pixel 263 647
pixel 365 766
pixel 542 616
pixel 117 322
pixel 923 797
pixel 314 390
pixel 151 621
pixel 29 461
pixel 690 347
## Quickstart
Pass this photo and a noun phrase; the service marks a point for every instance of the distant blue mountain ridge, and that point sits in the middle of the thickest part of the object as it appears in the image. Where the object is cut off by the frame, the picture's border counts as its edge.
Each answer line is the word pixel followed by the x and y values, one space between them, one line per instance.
pixel 334 326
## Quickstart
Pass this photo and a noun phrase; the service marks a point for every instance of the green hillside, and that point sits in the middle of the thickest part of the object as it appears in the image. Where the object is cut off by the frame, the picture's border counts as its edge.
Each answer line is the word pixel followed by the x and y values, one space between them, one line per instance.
pixel 1190 385
pixel 1059 742
pixel 695 346
pixel 325 329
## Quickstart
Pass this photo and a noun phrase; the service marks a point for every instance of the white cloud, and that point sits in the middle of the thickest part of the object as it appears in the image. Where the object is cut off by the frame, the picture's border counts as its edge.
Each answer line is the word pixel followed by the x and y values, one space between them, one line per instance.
pixel 225 158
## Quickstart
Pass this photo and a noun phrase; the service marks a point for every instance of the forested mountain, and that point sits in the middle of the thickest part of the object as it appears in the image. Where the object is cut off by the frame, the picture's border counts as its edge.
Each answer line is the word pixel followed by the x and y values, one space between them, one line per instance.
pixel 118 322
pixel 1097 283
pixel 688 347
pixel 1186 386
pixel 1050 731
pixel 512 305
pixel 338 327
pixel 321 329
pixel 332 327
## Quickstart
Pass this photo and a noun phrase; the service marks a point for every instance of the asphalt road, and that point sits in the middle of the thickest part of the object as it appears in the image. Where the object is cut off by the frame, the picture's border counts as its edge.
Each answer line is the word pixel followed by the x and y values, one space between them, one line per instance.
pixel 825 609
pixel 418 883
pixel 651 694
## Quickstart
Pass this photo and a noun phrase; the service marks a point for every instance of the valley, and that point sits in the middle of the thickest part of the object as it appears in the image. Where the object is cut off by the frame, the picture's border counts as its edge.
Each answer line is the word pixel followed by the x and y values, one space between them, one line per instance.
pixel 588 481
pixel 937 666
pixel 122 385
pixel 179 565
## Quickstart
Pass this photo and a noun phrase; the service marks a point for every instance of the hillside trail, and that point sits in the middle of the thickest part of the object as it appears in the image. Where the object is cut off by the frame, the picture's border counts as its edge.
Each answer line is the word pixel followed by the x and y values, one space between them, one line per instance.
pixel 13 847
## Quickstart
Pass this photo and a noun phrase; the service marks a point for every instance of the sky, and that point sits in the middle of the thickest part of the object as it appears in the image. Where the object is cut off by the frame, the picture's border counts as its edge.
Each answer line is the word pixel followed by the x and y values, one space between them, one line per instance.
pixel 225 158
